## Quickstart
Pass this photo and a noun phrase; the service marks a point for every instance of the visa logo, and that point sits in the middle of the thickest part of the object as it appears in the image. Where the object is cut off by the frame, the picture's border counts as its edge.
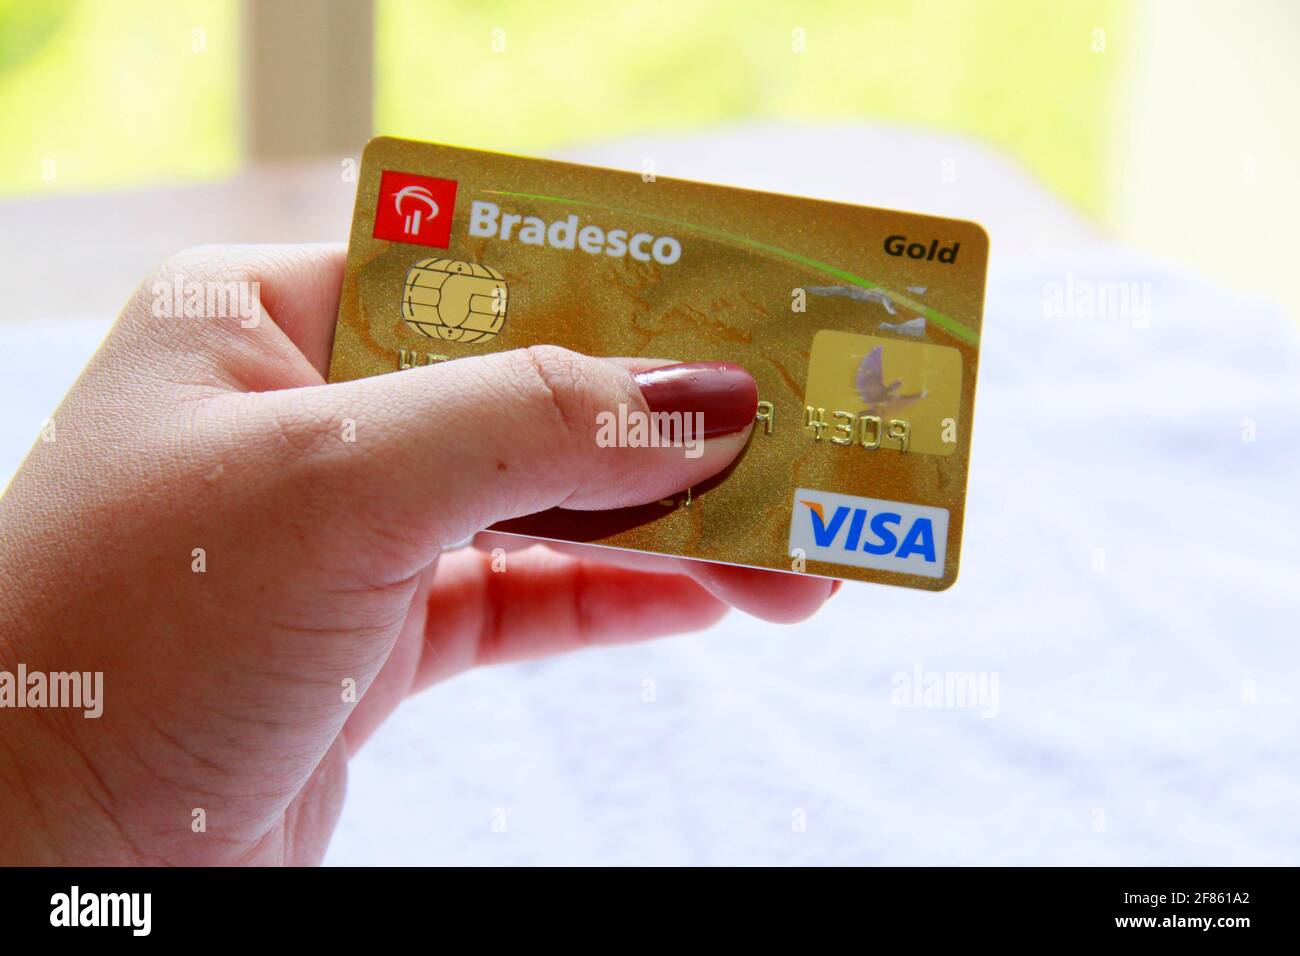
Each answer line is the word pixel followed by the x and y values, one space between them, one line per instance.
pixel 869 532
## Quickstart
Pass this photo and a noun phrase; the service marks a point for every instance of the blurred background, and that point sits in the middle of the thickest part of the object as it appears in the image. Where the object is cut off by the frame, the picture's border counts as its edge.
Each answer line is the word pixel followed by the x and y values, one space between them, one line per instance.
pixel 1169 124
pixel 1129 565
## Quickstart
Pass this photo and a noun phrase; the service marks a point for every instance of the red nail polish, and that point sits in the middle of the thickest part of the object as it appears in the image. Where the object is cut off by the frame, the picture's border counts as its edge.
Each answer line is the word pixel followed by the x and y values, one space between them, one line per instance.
pixel 724 393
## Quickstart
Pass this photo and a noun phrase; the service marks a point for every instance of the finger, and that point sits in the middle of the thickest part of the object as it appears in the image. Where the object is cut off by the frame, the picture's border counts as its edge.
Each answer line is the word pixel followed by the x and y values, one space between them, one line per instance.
pixel 443 451
pixel 635 364
pixel 495 541
pixel 489 541
pixel 296 287
pixel 299 288
pixel 546 603
pixel 780 597
pixel 476 611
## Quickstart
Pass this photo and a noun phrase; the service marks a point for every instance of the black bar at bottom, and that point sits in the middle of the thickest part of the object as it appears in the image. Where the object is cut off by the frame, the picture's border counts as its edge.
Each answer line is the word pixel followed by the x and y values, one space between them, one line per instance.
pixel 1226 905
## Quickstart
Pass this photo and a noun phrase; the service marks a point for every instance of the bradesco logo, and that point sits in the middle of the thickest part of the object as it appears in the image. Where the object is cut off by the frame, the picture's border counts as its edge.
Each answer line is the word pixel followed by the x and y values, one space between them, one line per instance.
pixel 869 532
pixel 487 220
pixel 415 209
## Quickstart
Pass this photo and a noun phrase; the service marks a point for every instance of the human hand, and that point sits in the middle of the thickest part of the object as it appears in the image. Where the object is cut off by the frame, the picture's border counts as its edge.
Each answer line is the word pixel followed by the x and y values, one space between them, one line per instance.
pixel 201 531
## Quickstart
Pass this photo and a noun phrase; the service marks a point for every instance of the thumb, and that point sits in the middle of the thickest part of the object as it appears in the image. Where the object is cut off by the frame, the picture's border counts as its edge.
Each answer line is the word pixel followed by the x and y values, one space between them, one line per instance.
pixel 446 450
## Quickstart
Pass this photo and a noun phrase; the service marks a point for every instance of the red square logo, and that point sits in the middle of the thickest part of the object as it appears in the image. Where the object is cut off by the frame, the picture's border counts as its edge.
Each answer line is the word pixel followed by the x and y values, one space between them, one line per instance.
pixel 415 209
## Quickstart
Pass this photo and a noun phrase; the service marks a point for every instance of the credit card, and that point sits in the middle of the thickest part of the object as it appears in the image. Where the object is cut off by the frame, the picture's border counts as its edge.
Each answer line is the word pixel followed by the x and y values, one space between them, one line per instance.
pixel 861 327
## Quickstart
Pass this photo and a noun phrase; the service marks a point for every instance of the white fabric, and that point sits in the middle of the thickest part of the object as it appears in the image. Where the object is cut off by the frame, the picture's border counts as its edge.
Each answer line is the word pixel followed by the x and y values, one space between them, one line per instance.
pixel 1130 567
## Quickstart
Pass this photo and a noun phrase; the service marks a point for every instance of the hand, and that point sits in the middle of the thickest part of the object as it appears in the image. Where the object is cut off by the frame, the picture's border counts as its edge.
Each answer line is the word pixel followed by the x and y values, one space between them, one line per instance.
pixel 200 531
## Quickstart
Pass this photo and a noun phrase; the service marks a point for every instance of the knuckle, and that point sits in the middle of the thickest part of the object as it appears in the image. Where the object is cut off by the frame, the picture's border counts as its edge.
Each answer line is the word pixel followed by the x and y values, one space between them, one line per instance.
pixel 299 435
pixel 561 380
pixel 202 262
pixel 167 295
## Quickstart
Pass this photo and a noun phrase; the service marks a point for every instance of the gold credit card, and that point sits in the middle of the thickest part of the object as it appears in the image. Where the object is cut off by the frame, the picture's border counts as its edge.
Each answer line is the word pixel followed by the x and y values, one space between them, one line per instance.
pixel 861 327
